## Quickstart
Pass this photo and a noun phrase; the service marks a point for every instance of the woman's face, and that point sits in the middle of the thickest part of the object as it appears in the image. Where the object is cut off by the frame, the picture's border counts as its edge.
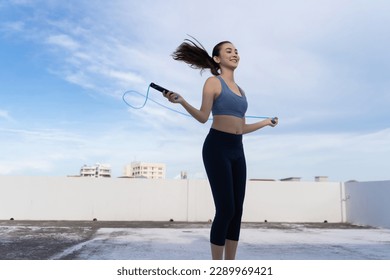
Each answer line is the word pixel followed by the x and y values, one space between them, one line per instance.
pixel 228 56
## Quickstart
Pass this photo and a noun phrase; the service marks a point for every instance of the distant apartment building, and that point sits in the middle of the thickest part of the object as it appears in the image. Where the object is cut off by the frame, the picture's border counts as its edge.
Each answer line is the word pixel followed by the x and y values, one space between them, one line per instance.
pixel 146 170
pixel 97 170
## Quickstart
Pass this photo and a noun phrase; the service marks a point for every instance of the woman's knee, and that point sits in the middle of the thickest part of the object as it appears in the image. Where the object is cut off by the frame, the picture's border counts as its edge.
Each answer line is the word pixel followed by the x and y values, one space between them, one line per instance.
pixel 226 213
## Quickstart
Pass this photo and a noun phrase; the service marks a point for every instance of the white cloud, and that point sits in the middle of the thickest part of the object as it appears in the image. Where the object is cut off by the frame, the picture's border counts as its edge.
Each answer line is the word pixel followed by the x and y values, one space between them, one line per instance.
pixel 12 27
pixel 5 115
pixel 16 166
pixel 64 41
pixel 41 135
pixel 38 150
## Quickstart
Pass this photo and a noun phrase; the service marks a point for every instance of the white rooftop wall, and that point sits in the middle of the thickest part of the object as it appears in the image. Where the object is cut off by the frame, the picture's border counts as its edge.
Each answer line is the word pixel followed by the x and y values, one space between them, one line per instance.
pixel 367 203
pixel 116 199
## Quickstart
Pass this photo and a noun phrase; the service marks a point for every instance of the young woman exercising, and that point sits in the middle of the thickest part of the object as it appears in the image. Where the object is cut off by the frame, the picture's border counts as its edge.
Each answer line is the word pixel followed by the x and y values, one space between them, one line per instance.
pixel 223 153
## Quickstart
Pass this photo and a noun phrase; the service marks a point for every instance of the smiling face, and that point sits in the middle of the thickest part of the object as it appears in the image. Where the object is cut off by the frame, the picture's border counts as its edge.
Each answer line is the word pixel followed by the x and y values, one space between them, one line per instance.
pixel 228 56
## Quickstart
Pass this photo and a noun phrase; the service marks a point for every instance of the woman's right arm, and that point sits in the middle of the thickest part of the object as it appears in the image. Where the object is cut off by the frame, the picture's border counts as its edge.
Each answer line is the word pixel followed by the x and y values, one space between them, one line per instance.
pixel 210 89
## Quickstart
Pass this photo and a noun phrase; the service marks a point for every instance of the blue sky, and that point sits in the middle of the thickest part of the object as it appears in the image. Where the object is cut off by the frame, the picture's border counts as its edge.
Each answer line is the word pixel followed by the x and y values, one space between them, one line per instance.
pixel 323 67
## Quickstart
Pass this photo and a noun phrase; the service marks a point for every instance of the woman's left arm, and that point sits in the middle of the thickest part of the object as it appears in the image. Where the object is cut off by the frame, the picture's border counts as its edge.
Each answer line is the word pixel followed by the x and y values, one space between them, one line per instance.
pixel 248 128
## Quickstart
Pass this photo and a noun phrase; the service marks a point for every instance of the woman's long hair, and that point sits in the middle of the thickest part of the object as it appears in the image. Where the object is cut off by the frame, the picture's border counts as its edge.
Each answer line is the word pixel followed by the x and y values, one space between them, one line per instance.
pixel 194 54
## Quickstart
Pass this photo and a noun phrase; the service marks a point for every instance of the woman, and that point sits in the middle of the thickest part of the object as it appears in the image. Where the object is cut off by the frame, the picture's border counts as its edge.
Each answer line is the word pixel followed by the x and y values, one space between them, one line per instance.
pixel 223 153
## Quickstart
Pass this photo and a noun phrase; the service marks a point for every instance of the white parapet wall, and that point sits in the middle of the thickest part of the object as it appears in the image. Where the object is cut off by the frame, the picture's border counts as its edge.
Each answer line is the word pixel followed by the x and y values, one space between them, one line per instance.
pixel 119 199
pixel 294 202
pixel 367 203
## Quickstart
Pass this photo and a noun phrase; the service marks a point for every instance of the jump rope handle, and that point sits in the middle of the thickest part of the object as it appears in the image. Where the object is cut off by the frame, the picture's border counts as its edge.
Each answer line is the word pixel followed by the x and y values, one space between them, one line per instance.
pixel 274 120
pixel 160 88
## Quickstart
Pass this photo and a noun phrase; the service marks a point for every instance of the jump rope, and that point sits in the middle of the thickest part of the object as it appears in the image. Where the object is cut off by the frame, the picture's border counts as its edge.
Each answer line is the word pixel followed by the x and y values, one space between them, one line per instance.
pixel 164 90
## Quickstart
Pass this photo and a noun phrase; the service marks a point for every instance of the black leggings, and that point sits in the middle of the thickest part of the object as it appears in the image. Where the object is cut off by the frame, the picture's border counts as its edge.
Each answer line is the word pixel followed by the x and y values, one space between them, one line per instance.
pixel 224 161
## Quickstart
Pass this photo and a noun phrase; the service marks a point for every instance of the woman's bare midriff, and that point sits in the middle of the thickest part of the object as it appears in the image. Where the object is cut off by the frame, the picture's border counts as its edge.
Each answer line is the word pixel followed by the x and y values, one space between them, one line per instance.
pixel 229 124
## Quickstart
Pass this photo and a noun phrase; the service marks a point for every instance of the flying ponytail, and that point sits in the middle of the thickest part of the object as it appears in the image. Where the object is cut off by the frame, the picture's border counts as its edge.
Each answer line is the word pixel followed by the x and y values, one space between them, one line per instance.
pixel 196 56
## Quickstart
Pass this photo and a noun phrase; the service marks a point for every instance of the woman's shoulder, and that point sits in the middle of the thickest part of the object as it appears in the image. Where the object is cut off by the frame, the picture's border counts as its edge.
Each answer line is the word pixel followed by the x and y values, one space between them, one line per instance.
pixel 213 80
pixel 213 84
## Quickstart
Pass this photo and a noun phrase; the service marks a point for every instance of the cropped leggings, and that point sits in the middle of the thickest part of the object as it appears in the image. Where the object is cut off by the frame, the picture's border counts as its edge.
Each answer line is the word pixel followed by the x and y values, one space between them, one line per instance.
pixel 224 161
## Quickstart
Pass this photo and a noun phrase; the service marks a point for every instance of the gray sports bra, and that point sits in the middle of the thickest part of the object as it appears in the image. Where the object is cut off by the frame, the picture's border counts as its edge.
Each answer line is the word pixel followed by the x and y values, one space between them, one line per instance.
pixel 229 103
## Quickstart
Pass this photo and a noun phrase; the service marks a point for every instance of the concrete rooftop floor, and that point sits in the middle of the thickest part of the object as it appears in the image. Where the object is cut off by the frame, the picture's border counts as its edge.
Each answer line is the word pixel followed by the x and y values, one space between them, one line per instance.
pixel 100 240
